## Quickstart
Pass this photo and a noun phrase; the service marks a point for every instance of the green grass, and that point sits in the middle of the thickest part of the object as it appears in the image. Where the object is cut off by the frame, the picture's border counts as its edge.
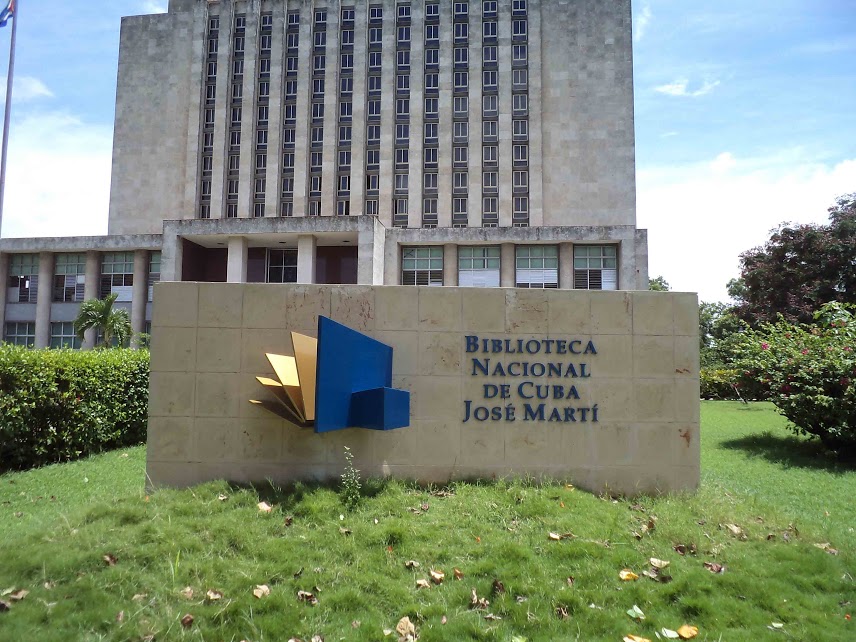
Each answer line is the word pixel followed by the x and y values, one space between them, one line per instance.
pixel 57 523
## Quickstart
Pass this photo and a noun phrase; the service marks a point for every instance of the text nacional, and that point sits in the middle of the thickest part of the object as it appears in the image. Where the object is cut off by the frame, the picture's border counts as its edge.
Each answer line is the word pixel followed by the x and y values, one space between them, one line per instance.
pixel 547 367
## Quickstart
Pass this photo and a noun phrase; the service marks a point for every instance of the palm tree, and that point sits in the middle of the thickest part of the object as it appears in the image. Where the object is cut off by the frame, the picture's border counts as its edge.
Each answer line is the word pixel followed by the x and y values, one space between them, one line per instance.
pixel 100 315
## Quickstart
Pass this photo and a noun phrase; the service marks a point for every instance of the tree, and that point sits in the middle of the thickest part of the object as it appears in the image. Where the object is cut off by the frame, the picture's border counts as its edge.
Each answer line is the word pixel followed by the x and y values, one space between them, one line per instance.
pixel 718 328
pixel 99 314
pixel 799 269
pixel 659 284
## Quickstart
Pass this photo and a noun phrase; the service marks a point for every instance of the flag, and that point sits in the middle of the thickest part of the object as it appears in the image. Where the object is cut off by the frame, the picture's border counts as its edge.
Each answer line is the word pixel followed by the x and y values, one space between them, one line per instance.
pixel 7 12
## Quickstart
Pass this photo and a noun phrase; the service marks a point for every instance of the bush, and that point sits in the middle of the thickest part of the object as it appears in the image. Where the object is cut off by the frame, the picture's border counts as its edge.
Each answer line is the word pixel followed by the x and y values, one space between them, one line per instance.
pixel 719 383
pixel 808 373
pixel 57 405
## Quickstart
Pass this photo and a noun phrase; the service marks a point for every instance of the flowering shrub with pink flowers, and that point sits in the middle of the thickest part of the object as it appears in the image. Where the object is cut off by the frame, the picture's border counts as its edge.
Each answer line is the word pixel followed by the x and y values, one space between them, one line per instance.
pixel 809 373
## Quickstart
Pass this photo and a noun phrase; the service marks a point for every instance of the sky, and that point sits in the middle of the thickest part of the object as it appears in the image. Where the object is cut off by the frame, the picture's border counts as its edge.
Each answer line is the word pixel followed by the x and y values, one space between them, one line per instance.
pixel 745 118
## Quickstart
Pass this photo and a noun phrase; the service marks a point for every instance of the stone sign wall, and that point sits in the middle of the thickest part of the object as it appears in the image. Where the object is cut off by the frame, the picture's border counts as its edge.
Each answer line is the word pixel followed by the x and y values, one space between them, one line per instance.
pixel 599 388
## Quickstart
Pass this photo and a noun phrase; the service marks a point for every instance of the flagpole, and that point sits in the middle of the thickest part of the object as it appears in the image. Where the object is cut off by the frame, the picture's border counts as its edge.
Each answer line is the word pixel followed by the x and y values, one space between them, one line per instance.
pixel 8 113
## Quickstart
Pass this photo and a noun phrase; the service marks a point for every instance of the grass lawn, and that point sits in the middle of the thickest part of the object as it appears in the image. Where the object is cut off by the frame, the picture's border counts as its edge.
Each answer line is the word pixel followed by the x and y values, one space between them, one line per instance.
pixel 58 523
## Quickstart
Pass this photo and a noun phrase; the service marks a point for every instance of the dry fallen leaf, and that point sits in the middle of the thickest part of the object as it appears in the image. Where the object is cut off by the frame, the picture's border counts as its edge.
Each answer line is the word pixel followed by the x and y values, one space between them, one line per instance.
pixel 562 612
pixel 317 638
pixel 634 638
pixel 570 580
pixel 49 585
pixel 555 536
pixel 4 606
pixel 636 613
pixel 734 529
pixel 437 576
pixel 213 595
pixel 139 597
pixel 261 590
pixel 411 564
pixel 306 596
pixel 669 634
pixel 289 520
pixel 17 596
pixel 422 583
pixel 458 574
pixel 492 617
pixel 687 632
pixel 443 620
pixel 355 624
pixel 627 575
pixel 657 576
pixel 120 617
pixel 497 587
pixel 405 627
pixel 713 567
pixel 264 507
pixel 187 593
pixel 6 592
pixel 344 531
pixel 684 549
pixel 110 559
pixel 222 497
pixel 187 621
pixel 658 564
pixel 827 548
pixel 477 602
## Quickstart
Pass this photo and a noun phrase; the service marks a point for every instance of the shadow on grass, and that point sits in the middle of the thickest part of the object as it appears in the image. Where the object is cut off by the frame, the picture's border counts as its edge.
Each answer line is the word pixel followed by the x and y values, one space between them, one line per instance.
pixel 791 452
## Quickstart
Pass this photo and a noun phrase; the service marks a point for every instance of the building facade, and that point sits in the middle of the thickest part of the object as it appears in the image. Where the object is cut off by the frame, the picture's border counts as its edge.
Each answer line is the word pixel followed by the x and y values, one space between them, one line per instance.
pixel 487 143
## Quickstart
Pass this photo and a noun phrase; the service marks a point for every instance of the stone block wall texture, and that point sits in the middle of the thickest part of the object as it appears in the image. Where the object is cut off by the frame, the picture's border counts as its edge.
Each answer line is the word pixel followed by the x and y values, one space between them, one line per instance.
pixel 209 340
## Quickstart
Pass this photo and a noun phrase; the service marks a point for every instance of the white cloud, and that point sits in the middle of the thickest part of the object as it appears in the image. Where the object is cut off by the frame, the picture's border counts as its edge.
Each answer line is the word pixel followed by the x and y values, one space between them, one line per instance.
pixel 25 89
pixel 642 21
pixel 154 6
pixel 58 178
pixel 701 217
pixel 680 88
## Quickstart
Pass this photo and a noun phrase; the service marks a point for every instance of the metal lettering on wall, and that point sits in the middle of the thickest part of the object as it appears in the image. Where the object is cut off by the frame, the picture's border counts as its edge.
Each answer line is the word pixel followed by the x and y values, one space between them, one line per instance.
pixel 543 373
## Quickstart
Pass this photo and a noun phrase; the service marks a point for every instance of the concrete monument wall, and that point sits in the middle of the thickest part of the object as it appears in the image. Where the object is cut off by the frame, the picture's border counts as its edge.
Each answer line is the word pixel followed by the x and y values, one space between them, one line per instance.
pixel 600 388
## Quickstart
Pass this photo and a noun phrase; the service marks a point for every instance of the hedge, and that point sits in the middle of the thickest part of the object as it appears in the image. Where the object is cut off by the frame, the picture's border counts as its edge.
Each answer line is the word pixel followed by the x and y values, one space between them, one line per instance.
pixel 57 405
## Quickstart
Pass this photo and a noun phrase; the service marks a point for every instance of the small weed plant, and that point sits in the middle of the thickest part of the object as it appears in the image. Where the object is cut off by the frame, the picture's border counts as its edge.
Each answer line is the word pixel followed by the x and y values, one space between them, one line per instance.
pixel 351 484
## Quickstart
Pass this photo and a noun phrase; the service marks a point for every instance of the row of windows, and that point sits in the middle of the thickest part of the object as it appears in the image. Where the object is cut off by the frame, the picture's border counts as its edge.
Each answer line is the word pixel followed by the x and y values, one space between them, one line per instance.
pixel 117 269
pixel 23 333
pixel 536 266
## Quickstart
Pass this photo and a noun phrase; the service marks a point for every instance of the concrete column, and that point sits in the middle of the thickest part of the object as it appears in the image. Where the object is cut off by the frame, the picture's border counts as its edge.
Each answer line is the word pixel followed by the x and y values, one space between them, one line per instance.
pixel 90 290
pixel 450 264
pixel 329 160
pixel 505 144
pixel 507 269
pixel 273 175
pixel 536 185
pixel 236 262
pixel 140 294
pixel 246 173
pixel 445 128
pixel 304 98
pixel 43 299
pixel 387 113
pixel 370 255
pixel 4 280
pixel 172 253
pixel 474 206
pixel 417 111
pixel 358 119
pixel 566 266
pixel 306 258
pixel 222 110
pixel 198 28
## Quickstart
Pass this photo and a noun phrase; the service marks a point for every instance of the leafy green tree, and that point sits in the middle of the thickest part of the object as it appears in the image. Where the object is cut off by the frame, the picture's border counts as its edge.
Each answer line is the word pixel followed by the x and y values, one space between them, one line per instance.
pixel 98 314
pixel 659 284
pixel 799 269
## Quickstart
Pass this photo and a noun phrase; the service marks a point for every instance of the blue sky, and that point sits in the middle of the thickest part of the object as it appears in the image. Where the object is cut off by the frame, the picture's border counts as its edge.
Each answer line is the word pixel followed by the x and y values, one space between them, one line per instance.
pixel 745 117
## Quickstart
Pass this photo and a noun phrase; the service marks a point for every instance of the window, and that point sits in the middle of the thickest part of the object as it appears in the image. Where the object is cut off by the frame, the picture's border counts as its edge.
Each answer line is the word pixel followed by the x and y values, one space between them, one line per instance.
pixel 64 336
pixel 320 39
pixel 489 55
pixel 489 6
pixel 317 136
pixel 402 157
pixel 490 105
pixel 520 77
pixel 262 114
pixel 462 8
pixel 347 15
pixel 401 182
pixel 520 212
pixel 462 31
pixel 461 131
pixel 21 334
pixel 402 133
pixel 23 285
pixel 518 7
pixel 264 90
pixel 537 266
pixel 374 87
pixel 286 208
pixel 344 159
pixel 489 155
pixel 459 212
pixel 461 155
pixel 288 161
pixel 235 138
pixel 319 63
pixel 404 12
pixel 521 154
pixel 236 116
pixel 315 185
pixel 429 212
pixel 520 103
pixel 432 10
pixel 432 57
pixel 490 182
pixel 371 207
pixel 518 29
pixel 343 208
pixel 462 105
pixel 347 37
pixel 519 53
pixel 520 129
pixel 292 41
pixel 432 107
pixel 402 107
pixel 403 82
pixel 399 218
pixel 461 80
pixel 432 33
pixel 404 35
pixel 596 267
pixel 489 27
pixel 375 13
pixel 261 138
pixel 489 80
pixel 346 110
pixel 489 129
pixel 282 266
pixel 430 155
pixel 345 135
pixel 154 271
pixel 346 62
pixel 490 211
pixel 287 187
pixel 432 81
pixel 402 59
pixel 259 188
pixel 372 158
pixel 315 160
pixel 344 187
pixel 289 137
pixel 375 59
pixel 318 111
pixel 478 267
pixel 117 274
pixel 69 274
pixel 372 182
pixel 429 182
pixel 318 86
pixel 431 137
pixel 460 182
pixel 375 36
pixel 422 266
pixel 293 19
pixel 462 56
